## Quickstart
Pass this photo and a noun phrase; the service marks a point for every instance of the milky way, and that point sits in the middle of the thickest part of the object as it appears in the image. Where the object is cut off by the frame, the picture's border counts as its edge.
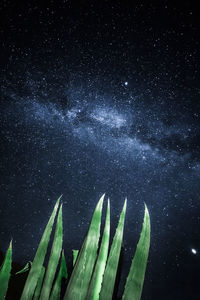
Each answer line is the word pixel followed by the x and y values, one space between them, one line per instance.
pixel 91 146
pixel 102 135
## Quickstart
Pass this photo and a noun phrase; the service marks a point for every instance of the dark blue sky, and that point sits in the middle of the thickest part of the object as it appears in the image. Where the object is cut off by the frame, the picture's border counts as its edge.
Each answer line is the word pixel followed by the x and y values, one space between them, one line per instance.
pixel 103 98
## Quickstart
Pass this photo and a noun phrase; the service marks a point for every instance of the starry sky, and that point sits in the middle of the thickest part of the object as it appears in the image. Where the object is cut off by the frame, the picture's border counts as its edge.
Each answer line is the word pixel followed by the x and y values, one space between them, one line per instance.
pixel 103 97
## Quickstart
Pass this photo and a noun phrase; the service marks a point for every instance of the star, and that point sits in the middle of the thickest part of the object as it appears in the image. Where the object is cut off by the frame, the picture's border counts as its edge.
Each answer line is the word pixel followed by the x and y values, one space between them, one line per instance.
pixel 194 251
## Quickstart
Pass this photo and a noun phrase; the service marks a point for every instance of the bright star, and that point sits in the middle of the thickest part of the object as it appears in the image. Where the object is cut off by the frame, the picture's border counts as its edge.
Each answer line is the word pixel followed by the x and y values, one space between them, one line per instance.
pixel 194 251
pixel 126 82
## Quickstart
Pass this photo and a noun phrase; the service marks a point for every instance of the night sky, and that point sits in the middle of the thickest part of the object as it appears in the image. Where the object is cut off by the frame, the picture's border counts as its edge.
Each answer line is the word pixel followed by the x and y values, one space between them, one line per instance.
pixel 103 97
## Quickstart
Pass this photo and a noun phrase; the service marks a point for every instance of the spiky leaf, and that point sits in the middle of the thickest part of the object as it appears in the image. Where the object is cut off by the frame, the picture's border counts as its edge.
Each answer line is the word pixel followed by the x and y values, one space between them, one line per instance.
pixel 55 294
pixel 80 277
pixel 135 279
pixel 5 272
pixel 54 258
pixel 97 277
pixel 37 264
pixel 39 284
pixel 75 255
pixel 113 259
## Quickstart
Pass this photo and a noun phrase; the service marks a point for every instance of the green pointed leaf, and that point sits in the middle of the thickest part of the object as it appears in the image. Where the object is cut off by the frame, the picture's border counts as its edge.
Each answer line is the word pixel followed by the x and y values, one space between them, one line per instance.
pixel 97 277
pixel 54 258
pixel 113 259
pixel 81 275
pixel 25 269
pixel 55 294
pixel 37 264
pixel 39 284
pixel 75 255
pixel 135 279
pixel 5 272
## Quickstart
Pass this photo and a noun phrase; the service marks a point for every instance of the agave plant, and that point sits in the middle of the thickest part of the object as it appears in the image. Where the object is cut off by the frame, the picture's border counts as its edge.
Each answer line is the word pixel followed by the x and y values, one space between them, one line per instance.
pixel 94 266
pixel 5 272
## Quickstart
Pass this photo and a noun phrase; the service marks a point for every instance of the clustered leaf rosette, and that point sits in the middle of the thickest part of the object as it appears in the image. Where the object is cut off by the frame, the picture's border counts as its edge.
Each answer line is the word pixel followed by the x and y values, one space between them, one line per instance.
pixel 94 266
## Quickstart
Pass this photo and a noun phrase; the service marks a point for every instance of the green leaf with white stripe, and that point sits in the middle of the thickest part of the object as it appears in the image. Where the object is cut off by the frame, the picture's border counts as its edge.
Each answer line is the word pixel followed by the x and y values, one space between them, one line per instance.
pixel 113 259
pixel 5 272
pixel 55 294
pixel 75 255
pixel 37 264
pixel 97 277
pixel 54 258
pixel 135 279
pixel 81 275
pixel 39 284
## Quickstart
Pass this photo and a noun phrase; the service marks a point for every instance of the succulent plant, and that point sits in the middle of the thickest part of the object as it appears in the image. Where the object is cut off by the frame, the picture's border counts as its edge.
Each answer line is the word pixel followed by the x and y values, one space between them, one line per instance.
pixel 94 266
